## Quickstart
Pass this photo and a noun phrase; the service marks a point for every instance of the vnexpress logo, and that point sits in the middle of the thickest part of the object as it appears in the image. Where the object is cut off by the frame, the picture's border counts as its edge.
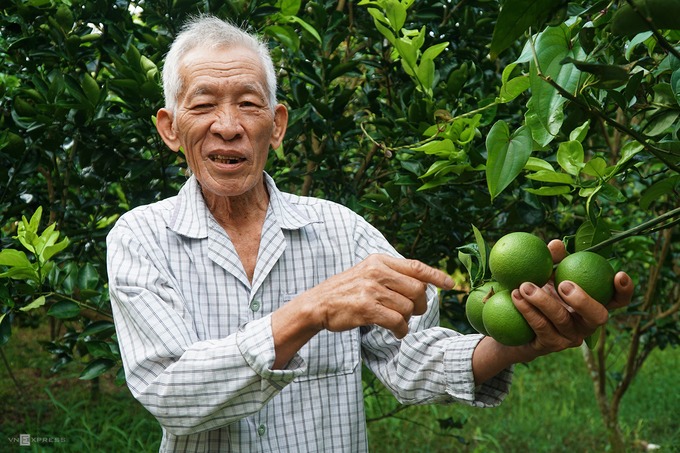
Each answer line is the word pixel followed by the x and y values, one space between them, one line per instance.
pixel 26 440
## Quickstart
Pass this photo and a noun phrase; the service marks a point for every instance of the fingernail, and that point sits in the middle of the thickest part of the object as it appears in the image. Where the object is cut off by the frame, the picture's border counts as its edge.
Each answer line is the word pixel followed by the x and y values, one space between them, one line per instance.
pixel 566 288
pixel 528 288
pixel 625 280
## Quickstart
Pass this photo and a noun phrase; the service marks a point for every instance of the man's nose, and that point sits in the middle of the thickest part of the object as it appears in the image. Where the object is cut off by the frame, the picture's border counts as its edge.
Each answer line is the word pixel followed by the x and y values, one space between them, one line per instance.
pixel 227 123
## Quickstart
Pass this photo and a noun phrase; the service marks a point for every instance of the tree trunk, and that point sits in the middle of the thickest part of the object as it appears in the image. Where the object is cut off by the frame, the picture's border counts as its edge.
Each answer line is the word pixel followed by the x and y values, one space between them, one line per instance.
pixel 609 412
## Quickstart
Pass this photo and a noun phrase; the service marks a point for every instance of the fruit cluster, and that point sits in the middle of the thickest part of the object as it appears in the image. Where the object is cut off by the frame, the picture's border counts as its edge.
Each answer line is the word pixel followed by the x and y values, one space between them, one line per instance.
pixel 523 257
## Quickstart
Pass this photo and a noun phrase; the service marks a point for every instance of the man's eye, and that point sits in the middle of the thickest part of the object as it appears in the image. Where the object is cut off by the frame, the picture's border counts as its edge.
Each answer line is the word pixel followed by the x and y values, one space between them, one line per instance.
pixel 203 106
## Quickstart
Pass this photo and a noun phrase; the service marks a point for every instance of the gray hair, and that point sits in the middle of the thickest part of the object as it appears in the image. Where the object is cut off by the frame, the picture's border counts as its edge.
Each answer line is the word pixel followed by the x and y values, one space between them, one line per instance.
pixel 207 30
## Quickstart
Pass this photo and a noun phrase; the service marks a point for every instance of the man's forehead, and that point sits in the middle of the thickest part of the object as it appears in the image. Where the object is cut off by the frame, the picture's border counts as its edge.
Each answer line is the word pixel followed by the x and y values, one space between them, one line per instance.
pixel 220 55
pixel 206 70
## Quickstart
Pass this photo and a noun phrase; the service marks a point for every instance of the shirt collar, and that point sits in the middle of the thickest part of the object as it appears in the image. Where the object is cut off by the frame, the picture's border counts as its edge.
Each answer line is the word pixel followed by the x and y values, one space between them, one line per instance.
pixel 191 215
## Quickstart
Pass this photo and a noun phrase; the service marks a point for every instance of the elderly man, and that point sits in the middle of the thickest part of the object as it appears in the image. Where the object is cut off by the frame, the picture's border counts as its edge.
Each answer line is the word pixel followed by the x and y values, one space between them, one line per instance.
pixel 244 314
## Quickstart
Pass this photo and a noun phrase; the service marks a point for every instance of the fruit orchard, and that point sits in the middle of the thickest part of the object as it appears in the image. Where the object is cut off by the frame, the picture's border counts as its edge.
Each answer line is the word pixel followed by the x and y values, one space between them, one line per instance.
pixel 552 117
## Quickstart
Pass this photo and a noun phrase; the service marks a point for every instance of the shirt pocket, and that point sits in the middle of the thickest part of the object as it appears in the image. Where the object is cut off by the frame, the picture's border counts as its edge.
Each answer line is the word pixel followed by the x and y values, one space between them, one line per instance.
pixel 329 353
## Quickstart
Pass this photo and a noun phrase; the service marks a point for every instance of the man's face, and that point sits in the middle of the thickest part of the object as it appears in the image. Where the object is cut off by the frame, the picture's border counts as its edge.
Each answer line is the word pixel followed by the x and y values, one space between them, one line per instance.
pixel 223 121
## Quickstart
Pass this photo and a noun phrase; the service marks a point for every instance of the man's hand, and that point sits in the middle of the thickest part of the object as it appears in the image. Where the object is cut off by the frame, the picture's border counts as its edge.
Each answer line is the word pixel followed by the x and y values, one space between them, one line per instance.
pixel 381 290
pixel 563 317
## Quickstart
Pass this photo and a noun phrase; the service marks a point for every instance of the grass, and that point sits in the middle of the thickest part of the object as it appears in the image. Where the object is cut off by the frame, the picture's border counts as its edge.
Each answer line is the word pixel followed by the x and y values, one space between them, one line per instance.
pixel 58 411
pixel 551 408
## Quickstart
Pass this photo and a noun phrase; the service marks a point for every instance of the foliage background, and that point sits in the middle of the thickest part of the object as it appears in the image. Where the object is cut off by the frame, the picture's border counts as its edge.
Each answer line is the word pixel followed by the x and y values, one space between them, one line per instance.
pixel 371 112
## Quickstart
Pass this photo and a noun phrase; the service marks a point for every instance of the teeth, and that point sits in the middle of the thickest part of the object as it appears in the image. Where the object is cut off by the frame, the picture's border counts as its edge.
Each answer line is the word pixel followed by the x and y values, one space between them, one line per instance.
pixel 226 160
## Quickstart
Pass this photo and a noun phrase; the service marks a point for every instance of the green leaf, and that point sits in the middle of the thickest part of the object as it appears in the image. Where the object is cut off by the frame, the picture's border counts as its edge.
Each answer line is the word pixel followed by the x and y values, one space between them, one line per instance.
pixel 20 267
pixel 289 7
pixel 425 75
pixel 88 277
pixel 51 250
pixel 658 190
pixel 629 150
pixel 98 348
pixel 14 258
pixel 285 35
pixel 443 148
pixel 64 309
pixel 507 155
pixel 436 182
pixel 662 123
pixel 511 88
pixel 437 168
pixel 551 176
pixel 91 89
pixel 433 52
pixel 611 193
pixel 596 167
pixel 547 191
pixel 22 273
pixel 664 14
pixel 35 220
pixel 607 76
pixel 396 14
pixel 39 302
pixel 579 134
pixel 96 368
pixel 536 164
pixel 570 156
pixel 311 30
pixel 466 254
pixel 515 17
pixel 70 281
pixel 675 85
pixel 409 55
pixel 104 328
pixel 545 113
pixel 589 234
pixel 482 248
pixel 27 238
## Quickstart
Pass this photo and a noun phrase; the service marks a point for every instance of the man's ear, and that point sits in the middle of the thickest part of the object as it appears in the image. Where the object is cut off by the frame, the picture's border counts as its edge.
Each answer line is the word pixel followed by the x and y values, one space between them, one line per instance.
pixel 280 125
pixel 164 125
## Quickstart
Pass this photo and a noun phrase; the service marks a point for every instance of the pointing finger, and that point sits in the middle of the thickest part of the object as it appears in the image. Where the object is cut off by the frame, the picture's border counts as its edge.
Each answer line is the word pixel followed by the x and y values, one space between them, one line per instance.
pixel 420 271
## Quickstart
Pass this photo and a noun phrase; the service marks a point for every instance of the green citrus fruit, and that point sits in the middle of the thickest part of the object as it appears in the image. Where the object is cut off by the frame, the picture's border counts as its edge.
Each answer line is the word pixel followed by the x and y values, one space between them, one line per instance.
pixel 590 271
pixel 504 322
pixel 520 257
pixel 475 304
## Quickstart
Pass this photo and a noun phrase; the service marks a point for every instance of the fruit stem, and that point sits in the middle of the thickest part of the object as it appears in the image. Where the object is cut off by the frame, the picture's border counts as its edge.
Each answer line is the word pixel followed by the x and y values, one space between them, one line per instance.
pixel 651 225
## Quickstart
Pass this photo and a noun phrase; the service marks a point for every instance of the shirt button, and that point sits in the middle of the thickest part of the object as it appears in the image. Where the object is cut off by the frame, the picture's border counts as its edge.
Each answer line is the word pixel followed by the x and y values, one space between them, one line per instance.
pixel 261 430
pixel 255 305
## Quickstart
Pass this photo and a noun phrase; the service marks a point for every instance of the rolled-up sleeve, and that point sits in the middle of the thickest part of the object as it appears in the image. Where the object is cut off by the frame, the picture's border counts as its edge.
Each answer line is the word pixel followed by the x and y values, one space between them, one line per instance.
pixel 431 364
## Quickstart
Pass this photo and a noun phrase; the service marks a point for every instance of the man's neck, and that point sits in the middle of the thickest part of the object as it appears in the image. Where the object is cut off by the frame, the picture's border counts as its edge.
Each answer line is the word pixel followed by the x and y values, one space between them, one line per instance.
pixel 242 217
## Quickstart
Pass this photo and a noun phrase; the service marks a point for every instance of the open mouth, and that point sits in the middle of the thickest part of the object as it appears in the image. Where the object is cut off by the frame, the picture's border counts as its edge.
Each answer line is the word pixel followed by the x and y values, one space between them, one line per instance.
pixel 232 160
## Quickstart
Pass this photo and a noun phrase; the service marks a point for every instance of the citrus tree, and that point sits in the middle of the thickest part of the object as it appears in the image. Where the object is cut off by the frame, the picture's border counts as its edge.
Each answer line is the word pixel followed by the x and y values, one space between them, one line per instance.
pixel 595 149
